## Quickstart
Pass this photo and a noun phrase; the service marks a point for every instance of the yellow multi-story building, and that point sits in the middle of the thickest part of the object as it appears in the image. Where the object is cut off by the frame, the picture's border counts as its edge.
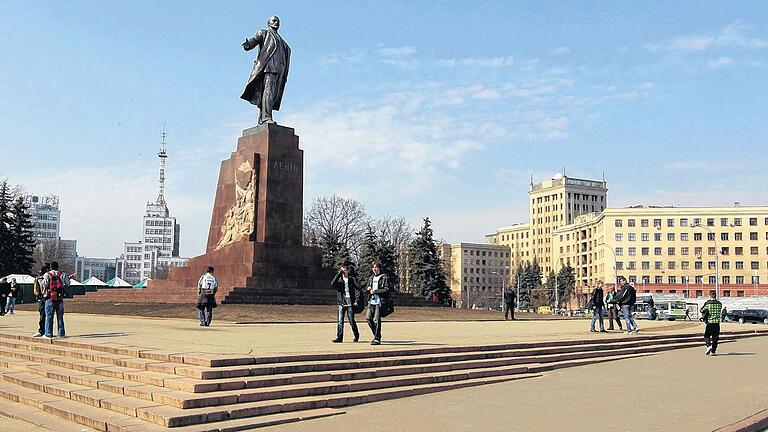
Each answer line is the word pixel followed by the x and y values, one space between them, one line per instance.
pixel 517 238
pixel 556 202
pixel 477 272
pixel 686 250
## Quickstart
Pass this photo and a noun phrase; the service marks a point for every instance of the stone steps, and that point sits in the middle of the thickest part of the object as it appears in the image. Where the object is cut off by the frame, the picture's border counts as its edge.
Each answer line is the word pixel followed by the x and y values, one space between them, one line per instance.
pixel 120 387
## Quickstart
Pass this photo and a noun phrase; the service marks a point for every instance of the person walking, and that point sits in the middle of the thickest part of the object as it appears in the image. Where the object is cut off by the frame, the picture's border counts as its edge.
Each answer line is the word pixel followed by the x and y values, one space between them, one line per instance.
pixel 711 311
pixel 207 286
pixel 613 309
pixel 378 296
pixel 11 302
pixel 509 301
pixel 40 294
pixel 627 302
pixel 597 307
pixel 346 292
pixel 5 290
pixel 54 284
pixel 651 309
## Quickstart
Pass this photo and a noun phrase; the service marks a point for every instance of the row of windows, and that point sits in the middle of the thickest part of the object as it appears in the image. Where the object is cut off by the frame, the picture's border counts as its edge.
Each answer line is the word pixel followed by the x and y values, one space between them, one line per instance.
pixel 482 279
pixel 151 231
pixel 46 216
pixel 157 240
pixel 753 235
pixel 482 270
pixel 480 288
pixel 515 236
pixel 686 265
pixel 159 223
pixel 133 249
pixel 711 280
pixel 725 250
pixel 683 222
pixel 486 262
pixel 486 253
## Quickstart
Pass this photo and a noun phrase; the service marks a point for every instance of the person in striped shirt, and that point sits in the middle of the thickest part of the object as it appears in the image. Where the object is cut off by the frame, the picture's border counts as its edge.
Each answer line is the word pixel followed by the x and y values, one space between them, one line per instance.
pixel 710 312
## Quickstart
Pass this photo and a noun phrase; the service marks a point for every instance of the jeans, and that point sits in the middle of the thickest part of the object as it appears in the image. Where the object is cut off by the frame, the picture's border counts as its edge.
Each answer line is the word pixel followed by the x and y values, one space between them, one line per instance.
pixel 51 307
pixel 613 315
pixel 340 322
pixel 41 319
pixel 598 314
pixel 628 319
pixel 712 336
pixel 510 310
pixel 206 315
pixel 11 305
pixel 374 320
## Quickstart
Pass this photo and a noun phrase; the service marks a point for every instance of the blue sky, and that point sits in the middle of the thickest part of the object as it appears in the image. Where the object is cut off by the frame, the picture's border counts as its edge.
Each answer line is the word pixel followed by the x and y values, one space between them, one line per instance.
pixel 440 109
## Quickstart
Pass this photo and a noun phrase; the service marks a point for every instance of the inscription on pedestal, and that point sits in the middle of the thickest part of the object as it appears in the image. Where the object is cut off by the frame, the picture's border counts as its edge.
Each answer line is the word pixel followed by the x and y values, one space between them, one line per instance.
pixel 286 166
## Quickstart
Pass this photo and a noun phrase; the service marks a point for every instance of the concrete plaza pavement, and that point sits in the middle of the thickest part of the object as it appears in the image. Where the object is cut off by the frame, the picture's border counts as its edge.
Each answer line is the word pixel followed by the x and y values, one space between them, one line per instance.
pixel 681 390
pixel 185 335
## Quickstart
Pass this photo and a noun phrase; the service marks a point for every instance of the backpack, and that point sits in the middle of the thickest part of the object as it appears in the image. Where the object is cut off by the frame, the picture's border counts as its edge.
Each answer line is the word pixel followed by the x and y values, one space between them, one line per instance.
pixel 55 286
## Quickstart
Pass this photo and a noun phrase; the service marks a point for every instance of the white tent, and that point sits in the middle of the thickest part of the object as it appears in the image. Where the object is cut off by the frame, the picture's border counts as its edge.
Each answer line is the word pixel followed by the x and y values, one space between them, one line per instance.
pixel 21 278
pixel 116 282
pixel 73 282
pixel 94 281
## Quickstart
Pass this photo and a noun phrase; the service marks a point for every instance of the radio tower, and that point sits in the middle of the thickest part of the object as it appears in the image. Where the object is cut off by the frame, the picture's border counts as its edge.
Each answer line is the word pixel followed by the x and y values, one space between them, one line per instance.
pixel 162 155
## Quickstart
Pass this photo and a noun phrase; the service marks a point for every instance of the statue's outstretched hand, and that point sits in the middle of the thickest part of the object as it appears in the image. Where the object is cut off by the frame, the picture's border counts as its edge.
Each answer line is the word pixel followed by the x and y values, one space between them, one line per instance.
pixel 246 45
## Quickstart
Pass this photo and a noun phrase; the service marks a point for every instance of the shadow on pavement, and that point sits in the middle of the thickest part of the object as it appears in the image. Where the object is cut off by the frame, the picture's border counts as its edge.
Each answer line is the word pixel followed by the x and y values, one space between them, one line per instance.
pixel 98 335
pixel 412 343
pixel 737 354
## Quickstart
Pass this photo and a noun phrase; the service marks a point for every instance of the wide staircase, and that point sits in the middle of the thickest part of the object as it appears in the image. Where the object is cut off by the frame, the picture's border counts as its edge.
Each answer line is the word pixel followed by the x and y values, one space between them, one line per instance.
pixel 74 384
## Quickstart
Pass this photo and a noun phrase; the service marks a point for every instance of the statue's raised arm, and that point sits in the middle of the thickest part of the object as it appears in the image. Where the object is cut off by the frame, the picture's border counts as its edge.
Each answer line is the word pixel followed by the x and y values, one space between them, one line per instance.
pixel 270 70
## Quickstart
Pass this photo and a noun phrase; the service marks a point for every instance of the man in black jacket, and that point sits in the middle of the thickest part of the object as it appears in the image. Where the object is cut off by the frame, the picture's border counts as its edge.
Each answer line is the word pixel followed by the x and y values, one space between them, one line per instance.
pixel 378 295
pixel 597 307
pixel 627 300
pixel 346 293
pixel 509 302
pixel 5 291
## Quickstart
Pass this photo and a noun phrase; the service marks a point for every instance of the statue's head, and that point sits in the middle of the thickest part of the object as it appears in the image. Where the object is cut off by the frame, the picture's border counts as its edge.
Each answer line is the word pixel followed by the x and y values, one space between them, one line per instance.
pixel 273 22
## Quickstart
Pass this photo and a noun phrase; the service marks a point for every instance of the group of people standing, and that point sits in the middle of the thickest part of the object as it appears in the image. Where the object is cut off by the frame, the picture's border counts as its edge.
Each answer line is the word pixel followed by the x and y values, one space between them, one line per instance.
pixel 376 294
pixel 49 289
pixel 623 300
pixel 9 291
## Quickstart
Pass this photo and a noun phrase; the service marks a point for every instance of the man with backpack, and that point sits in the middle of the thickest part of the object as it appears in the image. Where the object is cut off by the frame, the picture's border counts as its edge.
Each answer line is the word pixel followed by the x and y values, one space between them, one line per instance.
pixel 627 300
pixel 509 301
pixel 39 292
pixel 54 285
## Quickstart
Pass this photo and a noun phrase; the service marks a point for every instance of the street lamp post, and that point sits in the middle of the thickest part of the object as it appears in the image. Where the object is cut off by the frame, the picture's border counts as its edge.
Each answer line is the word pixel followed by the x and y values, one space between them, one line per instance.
pixel 503 288
pixel 717 257
pixel 615 274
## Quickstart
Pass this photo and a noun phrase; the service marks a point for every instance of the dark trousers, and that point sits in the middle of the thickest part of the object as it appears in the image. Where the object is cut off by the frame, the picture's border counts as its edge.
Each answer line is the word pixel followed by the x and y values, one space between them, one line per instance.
pixel 340 322
pixel 510 310
pixel 712 335
pixel 268 97
pixel 41 319
pixel 3 299
pixel 206 315
pixel 613 315
pixel 374 320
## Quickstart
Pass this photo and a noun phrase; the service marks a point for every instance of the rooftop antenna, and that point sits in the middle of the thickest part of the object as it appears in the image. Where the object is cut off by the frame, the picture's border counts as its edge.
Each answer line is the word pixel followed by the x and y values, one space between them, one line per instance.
pixel 531 179
pixel 163 156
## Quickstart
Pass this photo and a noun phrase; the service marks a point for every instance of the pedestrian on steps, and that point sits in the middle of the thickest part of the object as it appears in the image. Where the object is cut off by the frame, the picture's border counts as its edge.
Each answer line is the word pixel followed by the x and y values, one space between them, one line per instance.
pixel 207 286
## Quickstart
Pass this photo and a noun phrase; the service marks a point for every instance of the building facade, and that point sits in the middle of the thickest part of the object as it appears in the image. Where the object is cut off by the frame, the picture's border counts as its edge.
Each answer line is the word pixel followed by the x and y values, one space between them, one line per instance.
pixel 518 239
pixel 103 268
pixel 670 250
pixel 476 273
pixel 46 217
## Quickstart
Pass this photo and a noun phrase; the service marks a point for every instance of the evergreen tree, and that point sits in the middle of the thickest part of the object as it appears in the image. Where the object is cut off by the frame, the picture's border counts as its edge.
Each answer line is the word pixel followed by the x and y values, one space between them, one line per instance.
pixel 427 273
pixel 22 239
pixel 523 281
pixel 368 253
pixel 566 278
pixel 6 238
pixel 331 248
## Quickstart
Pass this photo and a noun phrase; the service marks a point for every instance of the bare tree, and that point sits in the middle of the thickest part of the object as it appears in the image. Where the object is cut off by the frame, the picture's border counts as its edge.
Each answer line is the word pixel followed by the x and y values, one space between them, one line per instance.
pixel 336 217
pixel 48 251
pixel 394 231
pixel 161 271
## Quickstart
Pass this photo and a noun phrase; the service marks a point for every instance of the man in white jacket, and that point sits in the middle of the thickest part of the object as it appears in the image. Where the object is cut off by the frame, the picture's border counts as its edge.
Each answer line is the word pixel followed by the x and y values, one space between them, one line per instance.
pixel 207 286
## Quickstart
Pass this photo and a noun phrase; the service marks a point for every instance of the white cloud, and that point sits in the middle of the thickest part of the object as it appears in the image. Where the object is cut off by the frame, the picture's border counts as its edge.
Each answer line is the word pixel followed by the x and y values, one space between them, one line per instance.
pixel 731 36
pixel 491 61
pixel 397 51
pixel 721 62
pixel 561 50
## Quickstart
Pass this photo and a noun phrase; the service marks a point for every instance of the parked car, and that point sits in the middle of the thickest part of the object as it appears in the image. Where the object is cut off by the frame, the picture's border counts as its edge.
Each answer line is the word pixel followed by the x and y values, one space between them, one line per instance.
pixel 751 315
pixel 733 315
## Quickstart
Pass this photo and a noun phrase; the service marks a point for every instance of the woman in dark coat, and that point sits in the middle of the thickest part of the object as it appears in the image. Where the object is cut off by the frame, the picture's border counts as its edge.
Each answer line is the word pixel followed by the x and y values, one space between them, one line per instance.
pixel 346 293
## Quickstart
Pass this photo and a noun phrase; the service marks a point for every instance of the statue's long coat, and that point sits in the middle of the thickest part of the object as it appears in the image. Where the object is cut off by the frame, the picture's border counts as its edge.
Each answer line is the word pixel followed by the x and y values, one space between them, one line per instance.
pixel 267 42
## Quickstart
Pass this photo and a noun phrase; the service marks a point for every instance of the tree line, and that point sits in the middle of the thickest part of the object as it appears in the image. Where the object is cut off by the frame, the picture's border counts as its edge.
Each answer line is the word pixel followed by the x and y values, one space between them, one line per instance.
pixel 535 290
pixel 346 234
pixel 17 242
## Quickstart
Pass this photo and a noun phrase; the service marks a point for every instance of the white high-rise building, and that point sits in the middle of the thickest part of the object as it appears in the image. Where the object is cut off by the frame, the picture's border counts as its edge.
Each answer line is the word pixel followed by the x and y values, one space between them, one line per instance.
pixel 46 217
pixel 159 245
